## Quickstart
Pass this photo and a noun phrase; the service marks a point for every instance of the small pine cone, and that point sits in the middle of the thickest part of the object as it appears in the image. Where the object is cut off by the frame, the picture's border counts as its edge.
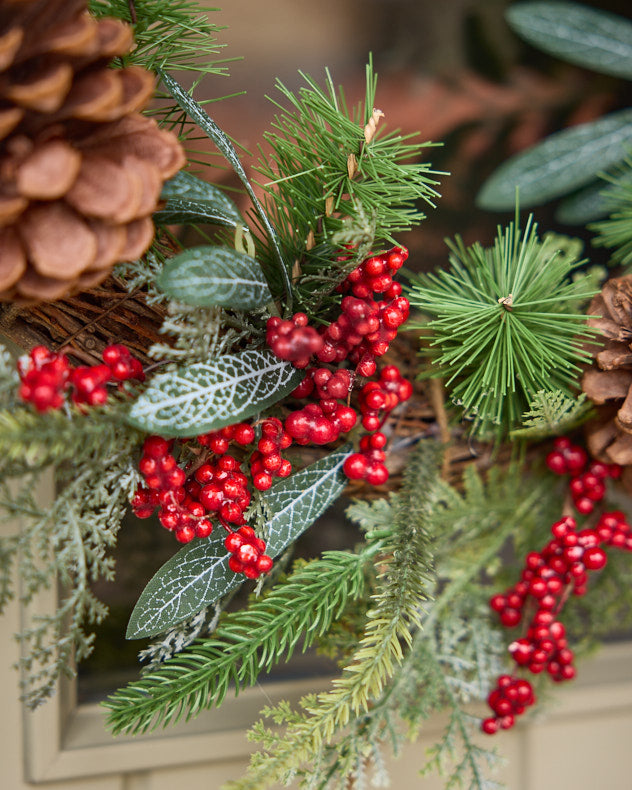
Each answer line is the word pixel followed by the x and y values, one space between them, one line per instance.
pixel 608 383
pixel 81 169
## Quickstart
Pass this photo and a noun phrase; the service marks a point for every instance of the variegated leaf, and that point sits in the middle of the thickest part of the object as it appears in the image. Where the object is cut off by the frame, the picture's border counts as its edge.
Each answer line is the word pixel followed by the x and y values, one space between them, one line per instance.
pixel 206 396
pixel 198 574
pixel 206 276
pixel 189 199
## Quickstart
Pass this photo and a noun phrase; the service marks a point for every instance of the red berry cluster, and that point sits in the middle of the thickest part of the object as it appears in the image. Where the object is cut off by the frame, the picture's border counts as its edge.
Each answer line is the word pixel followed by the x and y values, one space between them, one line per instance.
pixel 266 462
pixel 371 312
pixel 363 331
pixel 293 340
pixel 509 699
pixel 375 275
pixel 559 570
pixel 247 553
pixel 219 441
pixel 368 464
pixel 186 501
pixel 383 396
pixel 46 377
pixel 320 423
pixel 586 487
pixel 221 488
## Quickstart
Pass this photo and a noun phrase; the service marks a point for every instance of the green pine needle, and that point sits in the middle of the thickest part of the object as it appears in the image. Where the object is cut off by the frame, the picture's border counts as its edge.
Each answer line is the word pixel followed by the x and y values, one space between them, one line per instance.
pixel 316 143
pixel 168 35
pixel 504 324
pixel 615 233
pixel 245 644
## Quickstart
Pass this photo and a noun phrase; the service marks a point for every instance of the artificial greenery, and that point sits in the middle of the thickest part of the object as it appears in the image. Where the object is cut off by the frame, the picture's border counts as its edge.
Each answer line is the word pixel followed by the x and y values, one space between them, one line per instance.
pixel 504 324
pixel 405 612
pixel 174 35
pixel 333 179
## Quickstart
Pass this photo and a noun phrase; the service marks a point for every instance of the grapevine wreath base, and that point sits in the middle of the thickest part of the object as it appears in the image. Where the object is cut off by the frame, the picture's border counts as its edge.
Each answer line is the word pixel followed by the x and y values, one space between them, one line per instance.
pixel 241 368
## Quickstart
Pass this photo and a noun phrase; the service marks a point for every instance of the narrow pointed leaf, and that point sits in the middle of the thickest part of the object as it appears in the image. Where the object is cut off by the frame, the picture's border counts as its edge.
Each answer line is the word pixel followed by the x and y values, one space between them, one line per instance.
pixel 585 36
pixel 199 574
pixel 563 162
pixel 586 205
pixel 206 276
pixel 198 114
pixel 206 396
pixel 189 199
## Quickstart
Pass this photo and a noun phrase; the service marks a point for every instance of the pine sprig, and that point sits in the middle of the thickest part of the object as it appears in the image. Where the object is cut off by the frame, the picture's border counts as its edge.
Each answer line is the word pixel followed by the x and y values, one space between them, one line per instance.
pixel 174 36
pixel 552 414
pixel 404 574
pixel 504 325
pixel 322 171
pixel 245 644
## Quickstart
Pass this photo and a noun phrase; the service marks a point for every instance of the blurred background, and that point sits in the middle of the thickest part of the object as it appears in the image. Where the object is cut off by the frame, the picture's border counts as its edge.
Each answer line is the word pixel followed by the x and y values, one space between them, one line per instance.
pixel 452 71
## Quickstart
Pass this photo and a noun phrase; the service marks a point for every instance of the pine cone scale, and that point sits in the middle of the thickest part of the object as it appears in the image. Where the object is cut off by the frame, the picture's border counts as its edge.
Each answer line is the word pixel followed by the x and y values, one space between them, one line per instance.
pixel 81 170
pixel 12 259
pixel 49 171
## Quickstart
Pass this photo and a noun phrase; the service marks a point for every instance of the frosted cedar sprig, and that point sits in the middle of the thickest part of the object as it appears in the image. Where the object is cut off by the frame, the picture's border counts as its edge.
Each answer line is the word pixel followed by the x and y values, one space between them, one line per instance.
pixel 504 324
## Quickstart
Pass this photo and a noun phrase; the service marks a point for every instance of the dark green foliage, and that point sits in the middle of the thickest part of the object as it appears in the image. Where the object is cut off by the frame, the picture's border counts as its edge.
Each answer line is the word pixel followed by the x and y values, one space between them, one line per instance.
pixel 321 172
pixel 504 324
pixel 168 35
pixel 245 644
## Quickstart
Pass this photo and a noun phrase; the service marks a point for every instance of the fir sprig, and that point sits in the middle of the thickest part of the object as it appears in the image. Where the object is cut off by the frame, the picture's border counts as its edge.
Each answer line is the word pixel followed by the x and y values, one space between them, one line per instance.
pixel 504 324
pixel 245 643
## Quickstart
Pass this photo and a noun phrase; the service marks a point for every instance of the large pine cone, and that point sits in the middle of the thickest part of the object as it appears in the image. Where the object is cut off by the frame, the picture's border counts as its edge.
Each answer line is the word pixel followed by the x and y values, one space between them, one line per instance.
pixel 609 382
pixel 81 169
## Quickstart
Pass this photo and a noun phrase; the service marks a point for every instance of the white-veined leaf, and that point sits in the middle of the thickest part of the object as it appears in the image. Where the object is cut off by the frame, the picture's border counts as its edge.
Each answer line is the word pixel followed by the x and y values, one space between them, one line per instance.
pixel 560 164
pixel 205 276
pixel 189 199
pixel 203 397
pixel 585 36
pixel 199 574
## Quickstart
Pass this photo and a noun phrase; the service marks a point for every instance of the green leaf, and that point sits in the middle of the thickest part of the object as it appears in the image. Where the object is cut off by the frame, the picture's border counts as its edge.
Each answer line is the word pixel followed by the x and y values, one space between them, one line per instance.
pixel 199 574
pixel 189 199
pixel 300 499
pixel 585 36
pixel 586 205
pixel 563 162
pixel 198 114
pixel 206 276
pixel 206 396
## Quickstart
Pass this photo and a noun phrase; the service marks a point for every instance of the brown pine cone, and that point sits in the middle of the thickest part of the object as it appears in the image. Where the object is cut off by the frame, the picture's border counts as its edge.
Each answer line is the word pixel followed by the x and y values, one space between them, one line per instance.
pixel 609 382
pixel 81 169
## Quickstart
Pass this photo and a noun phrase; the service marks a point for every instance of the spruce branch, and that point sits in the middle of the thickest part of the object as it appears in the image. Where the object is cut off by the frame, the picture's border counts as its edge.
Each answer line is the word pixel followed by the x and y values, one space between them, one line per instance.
pixel 504 324
pixel 245 643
